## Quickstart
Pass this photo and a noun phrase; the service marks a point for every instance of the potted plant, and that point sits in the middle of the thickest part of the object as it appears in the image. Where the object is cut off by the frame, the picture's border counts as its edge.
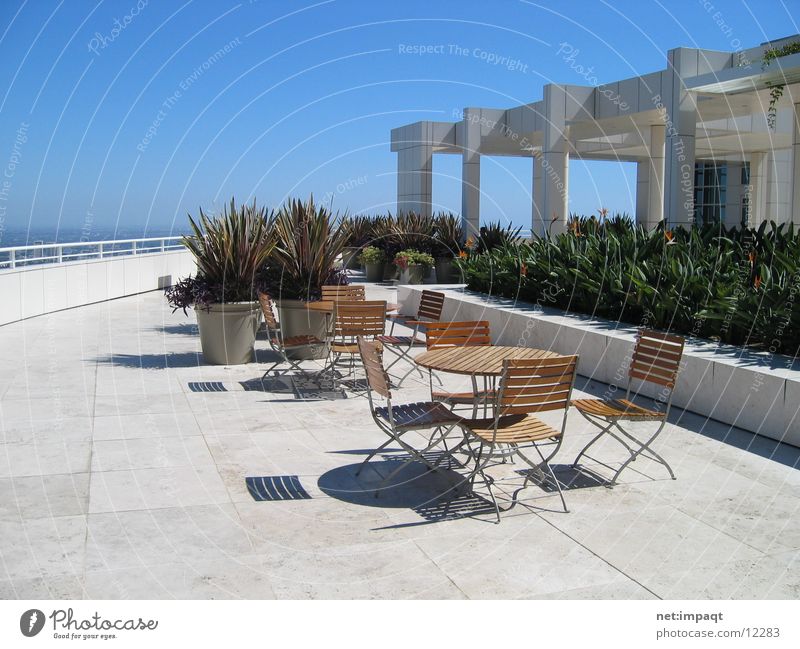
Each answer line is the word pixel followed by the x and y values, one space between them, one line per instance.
pixel 448 238
pixel 359 231
pixel 374 260
pixel 413 265
pixel 308 241
pixel 229 250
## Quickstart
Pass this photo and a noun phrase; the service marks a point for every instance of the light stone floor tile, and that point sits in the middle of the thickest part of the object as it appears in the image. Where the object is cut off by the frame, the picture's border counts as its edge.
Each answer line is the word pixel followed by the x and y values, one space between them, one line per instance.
pixel 130 485
pixel 112 491
pixel 133 404
pixel 138 539
pixel 230 578
pixel 18 459
pixel 144 426
pixel 43 547
pixel 46 431
pixel 164 452
pixel 44 496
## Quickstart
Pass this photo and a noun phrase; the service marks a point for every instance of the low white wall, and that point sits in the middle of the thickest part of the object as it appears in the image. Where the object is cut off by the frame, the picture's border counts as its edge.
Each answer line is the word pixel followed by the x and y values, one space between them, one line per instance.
pixel 35 290
pixel 754 391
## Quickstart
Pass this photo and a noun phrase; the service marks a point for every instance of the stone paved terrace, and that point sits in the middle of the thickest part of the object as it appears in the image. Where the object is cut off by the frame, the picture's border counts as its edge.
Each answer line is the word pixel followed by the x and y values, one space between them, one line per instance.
pixel 117 480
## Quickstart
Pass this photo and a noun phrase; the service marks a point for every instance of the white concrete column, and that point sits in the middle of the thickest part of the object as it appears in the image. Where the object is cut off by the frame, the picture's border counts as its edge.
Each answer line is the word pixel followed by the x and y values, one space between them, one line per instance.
pixel 758 188
pixel 679 163
pixel 795 178
pixel 555 161
pixel 414 179
pixel 642 190
pixel 655 186
pixel 538 221
pixel 471 172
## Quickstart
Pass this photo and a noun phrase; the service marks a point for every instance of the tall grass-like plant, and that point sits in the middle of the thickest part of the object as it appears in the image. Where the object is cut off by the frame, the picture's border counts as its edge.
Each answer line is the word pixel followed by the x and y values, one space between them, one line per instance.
pixel 309 238
pixel 230 249
pixel 448 235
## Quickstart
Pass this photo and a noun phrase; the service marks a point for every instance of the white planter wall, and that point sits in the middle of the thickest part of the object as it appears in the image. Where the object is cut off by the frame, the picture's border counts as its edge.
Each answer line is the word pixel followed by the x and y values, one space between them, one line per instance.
pixel 749 390
pixel 31 291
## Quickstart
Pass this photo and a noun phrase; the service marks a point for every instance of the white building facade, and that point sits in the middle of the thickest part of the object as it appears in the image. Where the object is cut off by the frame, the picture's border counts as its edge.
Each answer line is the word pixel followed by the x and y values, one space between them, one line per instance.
pixel 697 131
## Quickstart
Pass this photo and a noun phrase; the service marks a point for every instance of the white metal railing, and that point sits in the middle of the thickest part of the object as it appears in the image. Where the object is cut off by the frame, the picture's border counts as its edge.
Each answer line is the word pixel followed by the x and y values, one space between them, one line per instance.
pixel 59 253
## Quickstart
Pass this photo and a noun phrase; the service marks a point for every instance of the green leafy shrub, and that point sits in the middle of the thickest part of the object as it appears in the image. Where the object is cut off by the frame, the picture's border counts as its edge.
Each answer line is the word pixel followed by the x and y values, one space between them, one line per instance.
pixel 738 286
pixel 410 257
pixel 372 255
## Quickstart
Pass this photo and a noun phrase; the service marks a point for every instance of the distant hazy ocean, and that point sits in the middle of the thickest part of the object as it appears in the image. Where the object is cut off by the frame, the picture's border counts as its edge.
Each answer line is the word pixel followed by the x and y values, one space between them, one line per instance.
pixel 14 237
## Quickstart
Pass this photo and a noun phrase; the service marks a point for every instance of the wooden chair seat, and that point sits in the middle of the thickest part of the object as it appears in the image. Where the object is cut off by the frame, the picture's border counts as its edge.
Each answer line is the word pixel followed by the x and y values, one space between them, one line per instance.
pixel 299 341
pixel 412 341
pixel 424 414
pixel 511 429
pixel 616 409
pixel 463 398
pixel 338 347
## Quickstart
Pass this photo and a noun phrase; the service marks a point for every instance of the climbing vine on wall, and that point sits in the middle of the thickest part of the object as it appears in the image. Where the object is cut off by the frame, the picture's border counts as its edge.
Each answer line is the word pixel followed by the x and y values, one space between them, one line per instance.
pixel 776 89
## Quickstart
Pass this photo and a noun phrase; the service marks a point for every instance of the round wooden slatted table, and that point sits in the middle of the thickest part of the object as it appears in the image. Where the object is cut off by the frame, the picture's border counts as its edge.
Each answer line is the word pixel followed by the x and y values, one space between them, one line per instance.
pixel 478 360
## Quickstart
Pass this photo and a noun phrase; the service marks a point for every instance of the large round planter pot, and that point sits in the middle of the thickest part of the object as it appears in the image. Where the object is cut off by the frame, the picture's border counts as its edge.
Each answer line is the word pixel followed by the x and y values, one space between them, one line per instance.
pixel 374 271
pixel 350 257
pixel 296 319
pixel 414 274
pixel 228 332
pixel 390 272
pixel 444 270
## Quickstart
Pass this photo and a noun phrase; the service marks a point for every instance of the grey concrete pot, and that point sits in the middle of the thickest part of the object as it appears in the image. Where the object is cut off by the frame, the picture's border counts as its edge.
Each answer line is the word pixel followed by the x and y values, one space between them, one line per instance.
pixel 296 319
pixel 414 274
pixel 228 332
pixel 374 271
pixel 444 270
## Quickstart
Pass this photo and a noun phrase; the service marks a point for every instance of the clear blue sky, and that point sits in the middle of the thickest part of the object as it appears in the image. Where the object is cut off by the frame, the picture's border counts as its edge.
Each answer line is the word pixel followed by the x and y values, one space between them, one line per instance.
pixel 136 126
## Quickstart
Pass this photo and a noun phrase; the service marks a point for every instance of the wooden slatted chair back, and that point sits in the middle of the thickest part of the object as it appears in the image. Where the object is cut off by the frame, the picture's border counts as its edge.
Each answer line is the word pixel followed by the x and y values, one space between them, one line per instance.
pixel 457 334
pixel 656 358
pixel 269 313
pixel 430 306
pixel 536 385
pixel 348 292
pixel 361 318
pixel 377 378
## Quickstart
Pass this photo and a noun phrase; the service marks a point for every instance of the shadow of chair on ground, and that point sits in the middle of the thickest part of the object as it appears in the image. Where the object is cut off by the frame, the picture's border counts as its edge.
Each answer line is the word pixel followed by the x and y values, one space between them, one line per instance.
pixel 435 496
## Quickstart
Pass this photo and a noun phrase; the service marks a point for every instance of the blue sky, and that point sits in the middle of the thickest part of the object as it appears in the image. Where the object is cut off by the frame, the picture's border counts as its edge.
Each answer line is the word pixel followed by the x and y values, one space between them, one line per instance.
pixel 132 113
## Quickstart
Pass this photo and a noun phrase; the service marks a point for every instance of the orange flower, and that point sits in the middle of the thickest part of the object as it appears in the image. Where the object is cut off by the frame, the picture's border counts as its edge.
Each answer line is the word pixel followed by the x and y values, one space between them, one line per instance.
pixel 603 212
pixel 752 257
pixel 669 235
pixel 757 281
pixel 523 270
pixel 462 254
pixel 470 242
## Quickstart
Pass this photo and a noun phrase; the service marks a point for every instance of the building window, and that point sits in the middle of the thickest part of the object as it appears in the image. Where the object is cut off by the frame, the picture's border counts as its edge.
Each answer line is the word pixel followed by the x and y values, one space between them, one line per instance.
pixel 710 187
pixel 748 190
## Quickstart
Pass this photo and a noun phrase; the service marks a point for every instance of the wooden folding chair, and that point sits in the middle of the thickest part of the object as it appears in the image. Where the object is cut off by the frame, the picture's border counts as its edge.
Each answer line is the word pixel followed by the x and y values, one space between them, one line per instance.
pixel 430 310
pixel 439 335
pixel 344 292
pixel 281 345
pixel 526 387
pixel 397 420
pixel 656 359
pixel 365 318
